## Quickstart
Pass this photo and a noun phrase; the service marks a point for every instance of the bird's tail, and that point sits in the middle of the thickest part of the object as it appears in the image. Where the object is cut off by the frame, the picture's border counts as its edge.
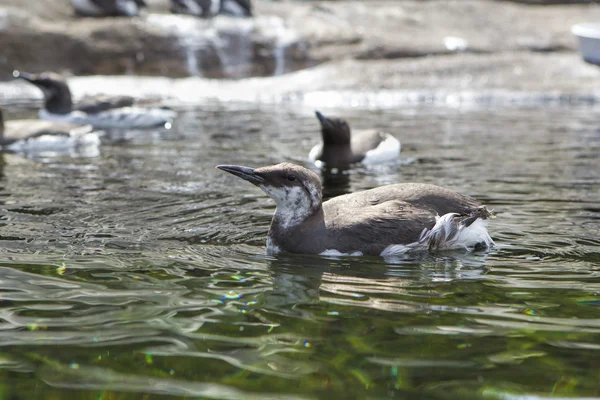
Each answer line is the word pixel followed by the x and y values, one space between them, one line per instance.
pixel 459 231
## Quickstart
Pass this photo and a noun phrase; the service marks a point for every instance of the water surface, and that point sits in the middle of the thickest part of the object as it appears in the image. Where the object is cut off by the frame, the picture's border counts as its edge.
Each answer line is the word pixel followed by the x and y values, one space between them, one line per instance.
pixel 141 273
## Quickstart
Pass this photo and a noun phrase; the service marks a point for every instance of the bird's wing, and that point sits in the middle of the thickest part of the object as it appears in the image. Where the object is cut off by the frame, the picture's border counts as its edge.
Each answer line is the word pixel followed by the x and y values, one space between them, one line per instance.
pixel 96 104
pixel 365 140
pixel 420 195
pixel 371 229
pixel 29 129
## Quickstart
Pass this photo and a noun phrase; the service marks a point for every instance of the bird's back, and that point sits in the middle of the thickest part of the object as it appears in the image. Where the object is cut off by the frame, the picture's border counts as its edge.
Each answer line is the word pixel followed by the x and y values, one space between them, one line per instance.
pixel 32 128
pixel 100 103
pixel 372 220
pixel 374 146
pixel 433 197
pixel 365 140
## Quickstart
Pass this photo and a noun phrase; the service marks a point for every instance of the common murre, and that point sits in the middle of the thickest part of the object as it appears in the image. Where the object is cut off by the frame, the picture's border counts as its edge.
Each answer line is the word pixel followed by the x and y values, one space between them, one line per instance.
pixel 386 221
pixel 108 8
pixel 100 111
pixel 34 135
pixel 199 8
pixel 210 8
pixel 341 148
pixel 236 8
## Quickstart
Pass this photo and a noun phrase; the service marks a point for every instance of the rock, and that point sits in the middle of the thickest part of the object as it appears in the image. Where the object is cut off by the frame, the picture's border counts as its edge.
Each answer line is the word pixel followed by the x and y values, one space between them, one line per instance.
pixel 155 44
pixel 413 28
pixel 503 79
pixel 553 2
pixel 521 71
pixel 285 36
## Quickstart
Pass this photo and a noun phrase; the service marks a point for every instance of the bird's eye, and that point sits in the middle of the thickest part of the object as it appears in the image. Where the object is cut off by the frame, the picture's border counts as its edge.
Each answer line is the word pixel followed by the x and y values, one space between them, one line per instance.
pixel 291 178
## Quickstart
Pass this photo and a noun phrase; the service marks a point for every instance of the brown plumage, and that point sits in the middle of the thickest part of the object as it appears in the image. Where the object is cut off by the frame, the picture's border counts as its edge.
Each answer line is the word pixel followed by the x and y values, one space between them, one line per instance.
pixel 369 221
pixel 26 129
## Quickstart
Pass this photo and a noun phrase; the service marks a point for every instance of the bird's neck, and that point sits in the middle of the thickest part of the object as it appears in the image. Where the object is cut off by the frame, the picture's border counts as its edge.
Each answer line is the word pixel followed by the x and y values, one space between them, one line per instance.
pixel 289 218
pixel 334 137
pixel 291 230
pixel 59 104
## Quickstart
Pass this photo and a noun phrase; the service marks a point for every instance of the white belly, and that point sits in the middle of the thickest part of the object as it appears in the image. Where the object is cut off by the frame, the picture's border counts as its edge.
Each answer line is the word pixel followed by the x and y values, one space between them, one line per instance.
pixel 388 150
pixel 314 153
pixel 79 141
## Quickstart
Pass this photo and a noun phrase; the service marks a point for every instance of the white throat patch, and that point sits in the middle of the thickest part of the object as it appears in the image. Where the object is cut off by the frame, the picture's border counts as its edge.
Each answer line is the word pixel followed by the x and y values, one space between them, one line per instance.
pixel 294 204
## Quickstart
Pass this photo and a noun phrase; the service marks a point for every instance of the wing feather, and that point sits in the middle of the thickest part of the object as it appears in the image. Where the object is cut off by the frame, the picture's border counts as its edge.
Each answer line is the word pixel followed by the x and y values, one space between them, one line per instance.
pixel 371 229
pixel 97 104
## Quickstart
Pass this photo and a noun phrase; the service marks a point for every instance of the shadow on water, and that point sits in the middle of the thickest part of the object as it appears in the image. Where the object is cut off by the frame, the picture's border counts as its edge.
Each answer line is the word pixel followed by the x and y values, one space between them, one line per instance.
pixel 141 271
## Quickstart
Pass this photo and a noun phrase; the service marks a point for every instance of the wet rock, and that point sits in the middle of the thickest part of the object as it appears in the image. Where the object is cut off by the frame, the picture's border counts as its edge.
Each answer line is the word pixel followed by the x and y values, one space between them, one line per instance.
pixel 553 2
pixel 154 44
pixel 522 71
pixel 285 36
pixel 497 80
pixel 412 28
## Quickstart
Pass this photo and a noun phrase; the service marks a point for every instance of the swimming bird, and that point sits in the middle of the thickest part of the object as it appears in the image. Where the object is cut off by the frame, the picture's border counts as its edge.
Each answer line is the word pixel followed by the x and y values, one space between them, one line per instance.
pixel 100 111
pixel 237 8
pixel 386 221
pixel 108 8
pixel 210 8
pixel 340 147
pixel 33 135
pixel 200 8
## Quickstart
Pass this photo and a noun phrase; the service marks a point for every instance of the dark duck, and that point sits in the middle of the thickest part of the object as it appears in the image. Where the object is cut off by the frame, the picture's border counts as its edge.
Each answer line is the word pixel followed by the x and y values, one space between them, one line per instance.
pixel 32 135
pixel 341 147
pixel 108 8
pixel 386 221
pixel 100 111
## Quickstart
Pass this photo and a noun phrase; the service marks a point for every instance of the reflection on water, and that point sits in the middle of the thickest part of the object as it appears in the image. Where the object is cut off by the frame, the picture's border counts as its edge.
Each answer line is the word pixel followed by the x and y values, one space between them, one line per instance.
pixel 142 271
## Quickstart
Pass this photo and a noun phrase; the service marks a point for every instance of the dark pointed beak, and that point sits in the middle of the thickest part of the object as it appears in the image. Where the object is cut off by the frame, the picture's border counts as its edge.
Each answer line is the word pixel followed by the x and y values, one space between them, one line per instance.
pixel 245 173
pixel 24 75
pixel 325 122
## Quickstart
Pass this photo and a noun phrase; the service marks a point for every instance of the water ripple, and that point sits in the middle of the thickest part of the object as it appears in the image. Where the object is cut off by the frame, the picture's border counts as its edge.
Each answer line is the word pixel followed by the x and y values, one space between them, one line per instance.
pixel 143 271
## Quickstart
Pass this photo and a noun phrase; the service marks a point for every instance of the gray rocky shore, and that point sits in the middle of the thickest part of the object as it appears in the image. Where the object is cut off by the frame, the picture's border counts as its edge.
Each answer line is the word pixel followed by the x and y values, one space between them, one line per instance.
pixel 375 44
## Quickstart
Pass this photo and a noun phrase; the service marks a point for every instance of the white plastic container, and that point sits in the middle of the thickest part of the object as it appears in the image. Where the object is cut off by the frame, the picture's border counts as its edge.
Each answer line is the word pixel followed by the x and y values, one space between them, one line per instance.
pixel 589 41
